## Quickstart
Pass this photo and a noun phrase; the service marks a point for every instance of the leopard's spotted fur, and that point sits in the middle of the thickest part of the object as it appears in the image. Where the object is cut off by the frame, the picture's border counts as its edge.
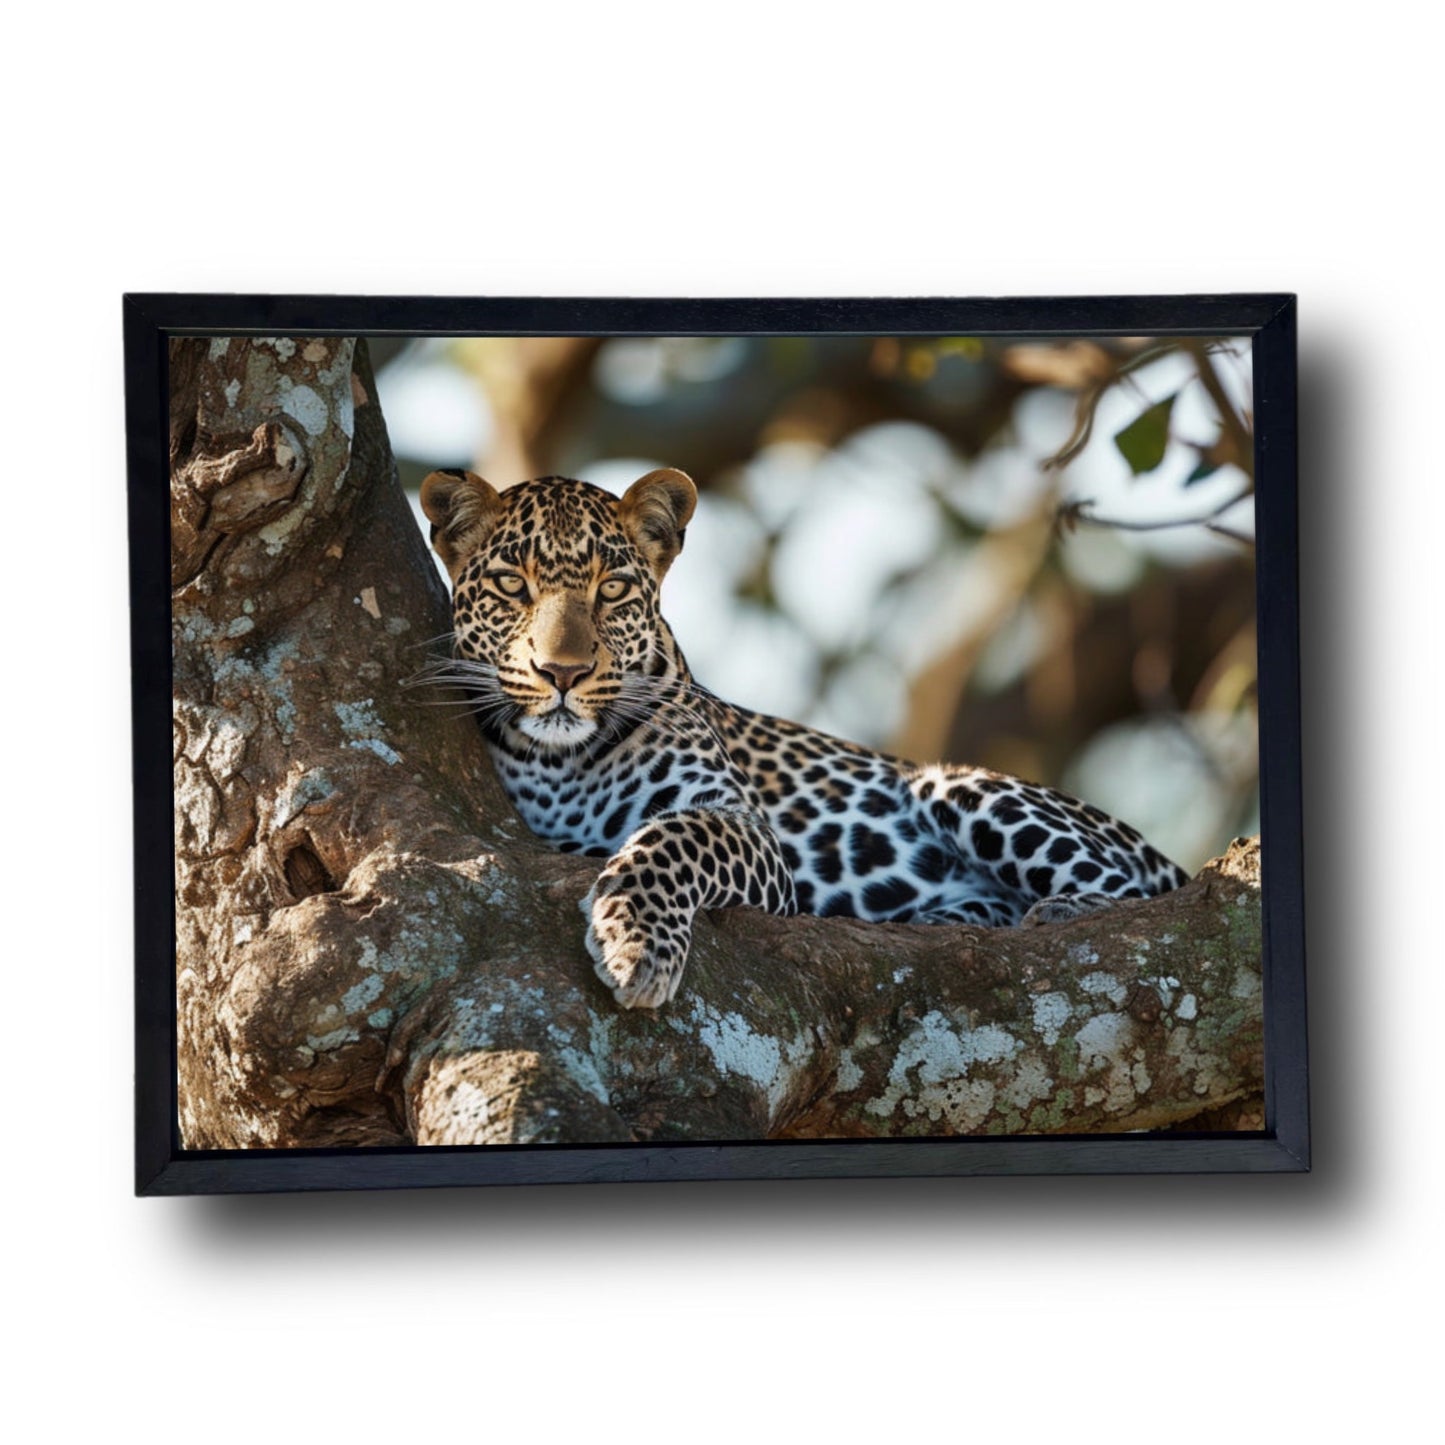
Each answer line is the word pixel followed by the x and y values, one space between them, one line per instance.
pixel 607 746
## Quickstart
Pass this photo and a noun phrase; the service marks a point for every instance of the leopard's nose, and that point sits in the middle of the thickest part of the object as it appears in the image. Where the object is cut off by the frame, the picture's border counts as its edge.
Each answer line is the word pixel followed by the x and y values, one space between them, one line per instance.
pixel 563 675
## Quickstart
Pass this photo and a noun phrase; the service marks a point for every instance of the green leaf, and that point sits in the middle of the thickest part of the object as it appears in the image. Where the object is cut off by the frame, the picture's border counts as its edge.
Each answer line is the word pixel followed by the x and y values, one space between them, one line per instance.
pixel 1204 469
pixel 1144 441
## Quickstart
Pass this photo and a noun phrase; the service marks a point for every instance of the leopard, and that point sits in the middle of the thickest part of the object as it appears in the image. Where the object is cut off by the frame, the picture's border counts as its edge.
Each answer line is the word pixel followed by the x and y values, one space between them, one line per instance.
pixel 609 748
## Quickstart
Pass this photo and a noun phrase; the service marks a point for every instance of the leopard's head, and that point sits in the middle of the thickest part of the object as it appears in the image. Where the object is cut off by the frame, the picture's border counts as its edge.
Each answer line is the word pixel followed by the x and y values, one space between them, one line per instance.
pixel 555 595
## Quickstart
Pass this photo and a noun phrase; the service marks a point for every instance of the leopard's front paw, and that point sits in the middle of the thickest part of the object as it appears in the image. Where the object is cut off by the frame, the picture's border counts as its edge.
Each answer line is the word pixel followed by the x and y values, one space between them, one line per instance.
pixel 640 960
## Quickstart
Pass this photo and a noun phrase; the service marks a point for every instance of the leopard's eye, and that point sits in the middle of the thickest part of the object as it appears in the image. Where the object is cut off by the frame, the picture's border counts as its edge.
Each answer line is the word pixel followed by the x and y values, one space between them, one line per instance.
pixel 509 584
pixel 614 589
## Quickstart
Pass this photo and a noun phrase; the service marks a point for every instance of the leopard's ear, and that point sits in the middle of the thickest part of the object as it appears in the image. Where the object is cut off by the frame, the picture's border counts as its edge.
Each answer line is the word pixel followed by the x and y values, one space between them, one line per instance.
pixel 655 512
pixel 462 510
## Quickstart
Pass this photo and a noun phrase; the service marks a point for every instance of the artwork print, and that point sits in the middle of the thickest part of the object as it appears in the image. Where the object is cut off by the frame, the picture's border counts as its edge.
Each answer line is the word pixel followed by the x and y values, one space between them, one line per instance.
pixel 622 740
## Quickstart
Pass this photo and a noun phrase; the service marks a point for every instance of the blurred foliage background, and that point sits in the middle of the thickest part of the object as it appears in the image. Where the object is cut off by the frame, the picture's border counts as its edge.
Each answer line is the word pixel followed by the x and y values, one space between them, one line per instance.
pixel 1032 554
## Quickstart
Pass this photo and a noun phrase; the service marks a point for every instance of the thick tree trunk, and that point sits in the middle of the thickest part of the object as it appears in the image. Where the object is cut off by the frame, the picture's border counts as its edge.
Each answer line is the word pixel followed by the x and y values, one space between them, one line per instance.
pixel 372 949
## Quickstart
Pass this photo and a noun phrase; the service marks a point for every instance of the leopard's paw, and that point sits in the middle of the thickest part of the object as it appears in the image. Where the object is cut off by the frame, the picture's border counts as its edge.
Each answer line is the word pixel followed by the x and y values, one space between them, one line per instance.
pixel 1064 907
pixel 642 970
pixel 636 980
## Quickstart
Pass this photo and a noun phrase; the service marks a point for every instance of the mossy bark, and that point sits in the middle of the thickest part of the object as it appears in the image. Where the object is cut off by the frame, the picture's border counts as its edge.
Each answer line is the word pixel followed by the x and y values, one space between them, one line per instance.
pixel 373 950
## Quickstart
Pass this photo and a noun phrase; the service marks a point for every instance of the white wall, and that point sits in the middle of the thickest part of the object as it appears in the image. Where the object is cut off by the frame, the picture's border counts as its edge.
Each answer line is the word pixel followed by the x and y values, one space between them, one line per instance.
pixel 1067 148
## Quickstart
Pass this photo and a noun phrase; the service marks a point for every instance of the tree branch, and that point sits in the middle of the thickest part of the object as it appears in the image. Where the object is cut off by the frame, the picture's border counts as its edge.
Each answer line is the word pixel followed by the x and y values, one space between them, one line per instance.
pixel 1077 513
pixel 1240 437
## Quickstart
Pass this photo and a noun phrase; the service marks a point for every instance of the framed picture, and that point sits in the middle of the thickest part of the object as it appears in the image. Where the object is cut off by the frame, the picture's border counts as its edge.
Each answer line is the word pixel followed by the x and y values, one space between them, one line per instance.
pixel 644 739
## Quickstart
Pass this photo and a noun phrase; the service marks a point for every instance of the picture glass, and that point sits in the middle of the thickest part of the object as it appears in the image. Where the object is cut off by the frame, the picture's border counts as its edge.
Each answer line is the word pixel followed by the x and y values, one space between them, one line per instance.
pixel 833 737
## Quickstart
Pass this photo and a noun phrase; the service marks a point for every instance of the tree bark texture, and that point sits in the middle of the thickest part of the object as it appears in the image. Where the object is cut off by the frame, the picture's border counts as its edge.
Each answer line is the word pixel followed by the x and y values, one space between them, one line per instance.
pixel 373 950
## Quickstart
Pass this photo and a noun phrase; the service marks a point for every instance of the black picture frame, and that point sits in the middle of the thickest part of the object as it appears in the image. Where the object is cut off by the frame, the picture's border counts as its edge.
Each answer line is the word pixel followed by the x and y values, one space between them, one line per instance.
pixel 162 1167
